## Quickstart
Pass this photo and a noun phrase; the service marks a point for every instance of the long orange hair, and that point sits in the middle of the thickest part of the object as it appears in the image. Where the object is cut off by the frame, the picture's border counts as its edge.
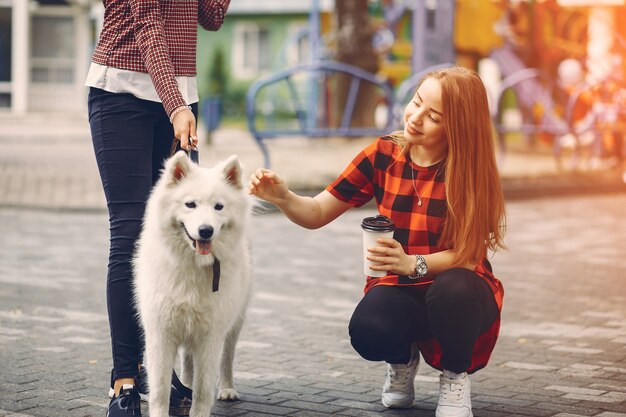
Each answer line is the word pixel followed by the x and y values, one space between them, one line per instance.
pixel 476 219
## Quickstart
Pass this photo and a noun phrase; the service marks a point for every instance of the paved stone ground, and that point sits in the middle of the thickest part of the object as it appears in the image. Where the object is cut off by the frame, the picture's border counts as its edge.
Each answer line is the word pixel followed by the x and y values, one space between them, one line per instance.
pixel 55 168
pixel 562 351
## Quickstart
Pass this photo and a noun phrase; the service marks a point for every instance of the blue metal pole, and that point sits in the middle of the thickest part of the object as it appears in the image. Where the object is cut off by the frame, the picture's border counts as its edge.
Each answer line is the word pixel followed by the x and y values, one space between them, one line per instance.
pixel 419 30
pixel 314 29
pixel 314 34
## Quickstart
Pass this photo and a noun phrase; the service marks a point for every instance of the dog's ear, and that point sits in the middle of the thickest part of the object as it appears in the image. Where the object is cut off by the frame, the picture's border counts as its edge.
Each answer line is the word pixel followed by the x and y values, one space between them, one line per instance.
pixel 177 167
pixel 232 171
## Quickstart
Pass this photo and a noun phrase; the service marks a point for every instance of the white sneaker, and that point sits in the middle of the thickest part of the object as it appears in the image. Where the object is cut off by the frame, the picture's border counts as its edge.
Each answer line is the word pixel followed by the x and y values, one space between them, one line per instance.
pixel 454 397
pixel 399 391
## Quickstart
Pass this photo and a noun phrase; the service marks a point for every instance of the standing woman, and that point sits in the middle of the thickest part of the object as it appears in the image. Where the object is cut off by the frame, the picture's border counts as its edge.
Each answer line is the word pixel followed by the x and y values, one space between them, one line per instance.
pixel 142 97
pixel 438 181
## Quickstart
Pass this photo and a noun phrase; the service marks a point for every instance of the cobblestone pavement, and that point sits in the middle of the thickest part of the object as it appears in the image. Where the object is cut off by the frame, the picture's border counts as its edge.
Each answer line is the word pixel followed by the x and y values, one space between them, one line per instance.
pixel 56 168
pixel 562 349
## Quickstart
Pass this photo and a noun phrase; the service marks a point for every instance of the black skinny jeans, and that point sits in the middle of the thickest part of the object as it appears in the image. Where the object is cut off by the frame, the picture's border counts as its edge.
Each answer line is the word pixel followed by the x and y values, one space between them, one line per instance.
pixel 456 309
pixel 131 139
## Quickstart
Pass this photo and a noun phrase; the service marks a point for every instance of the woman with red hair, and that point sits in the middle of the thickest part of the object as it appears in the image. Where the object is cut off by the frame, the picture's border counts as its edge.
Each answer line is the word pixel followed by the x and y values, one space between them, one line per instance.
pixel 437 180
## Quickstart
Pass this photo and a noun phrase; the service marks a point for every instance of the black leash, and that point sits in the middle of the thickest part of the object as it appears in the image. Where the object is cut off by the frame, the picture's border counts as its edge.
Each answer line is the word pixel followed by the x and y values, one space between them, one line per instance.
pixel 182 390
pixel 192 153
pixel 216 274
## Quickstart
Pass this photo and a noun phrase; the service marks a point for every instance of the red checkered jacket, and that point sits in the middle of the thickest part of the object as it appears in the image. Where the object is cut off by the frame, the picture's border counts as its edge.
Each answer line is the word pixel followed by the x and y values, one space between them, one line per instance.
pixel 157 37
pixel 382 172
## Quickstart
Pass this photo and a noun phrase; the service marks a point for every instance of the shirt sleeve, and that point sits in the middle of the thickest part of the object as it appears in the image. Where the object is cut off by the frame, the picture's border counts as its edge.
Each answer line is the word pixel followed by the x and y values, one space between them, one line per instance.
pixel 355 184
pixel 211 13
pixel 150 37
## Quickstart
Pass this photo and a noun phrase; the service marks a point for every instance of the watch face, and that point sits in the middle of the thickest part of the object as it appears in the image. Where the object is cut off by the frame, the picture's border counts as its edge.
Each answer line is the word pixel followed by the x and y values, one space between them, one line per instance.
pixel 420 267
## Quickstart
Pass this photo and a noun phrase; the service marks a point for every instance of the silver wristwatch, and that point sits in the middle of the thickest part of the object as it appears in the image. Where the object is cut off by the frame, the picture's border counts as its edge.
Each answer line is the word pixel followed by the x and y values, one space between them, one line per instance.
pixel 421 269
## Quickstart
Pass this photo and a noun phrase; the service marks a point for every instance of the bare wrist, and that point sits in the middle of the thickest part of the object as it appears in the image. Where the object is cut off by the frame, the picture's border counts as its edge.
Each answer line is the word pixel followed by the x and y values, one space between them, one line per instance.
pixel 284 201
pixel 410 263
pixel 178 110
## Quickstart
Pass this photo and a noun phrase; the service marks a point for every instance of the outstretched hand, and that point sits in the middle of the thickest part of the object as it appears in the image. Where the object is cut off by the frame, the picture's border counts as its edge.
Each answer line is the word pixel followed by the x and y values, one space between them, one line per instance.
pixel 268 186
pixel 184 124
pixel 390 256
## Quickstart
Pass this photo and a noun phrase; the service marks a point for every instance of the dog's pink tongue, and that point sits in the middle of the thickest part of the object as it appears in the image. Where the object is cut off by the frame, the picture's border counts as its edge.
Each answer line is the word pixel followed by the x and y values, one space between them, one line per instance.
pixel 203 247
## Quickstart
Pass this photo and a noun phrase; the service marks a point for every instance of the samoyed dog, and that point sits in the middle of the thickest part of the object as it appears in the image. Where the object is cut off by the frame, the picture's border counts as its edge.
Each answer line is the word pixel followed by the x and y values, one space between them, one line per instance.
pixel 192 280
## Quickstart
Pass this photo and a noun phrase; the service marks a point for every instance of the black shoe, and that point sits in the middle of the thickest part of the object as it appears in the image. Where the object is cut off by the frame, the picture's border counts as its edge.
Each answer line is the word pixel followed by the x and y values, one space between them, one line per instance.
pixel 180 398
pixel 126 404
pixel 141 381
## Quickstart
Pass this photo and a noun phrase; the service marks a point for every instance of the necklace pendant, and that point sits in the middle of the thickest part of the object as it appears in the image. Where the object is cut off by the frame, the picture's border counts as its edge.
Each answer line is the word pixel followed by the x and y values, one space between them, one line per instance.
pixel 419 202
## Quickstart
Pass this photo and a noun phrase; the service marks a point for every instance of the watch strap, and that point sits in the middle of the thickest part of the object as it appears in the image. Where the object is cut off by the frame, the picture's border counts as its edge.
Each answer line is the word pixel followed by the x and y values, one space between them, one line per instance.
pixel 421 269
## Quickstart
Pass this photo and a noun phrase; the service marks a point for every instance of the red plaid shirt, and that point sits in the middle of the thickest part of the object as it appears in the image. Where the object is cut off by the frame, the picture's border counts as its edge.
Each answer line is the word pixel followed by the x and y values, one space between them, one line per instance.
pixel 157 37
pixel 382 172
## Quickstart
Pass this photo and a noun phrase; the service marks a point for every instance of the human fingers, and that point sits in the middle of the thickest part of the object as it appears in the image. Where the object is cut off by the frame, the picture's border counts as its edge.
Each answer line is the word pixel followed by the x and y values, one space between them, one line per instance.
pixel 381 262
pixel 269 176
pixel 253 184
pixel 252 190
pixel 182 134
pixel 388 242
pixel 184 123
pixel 390 252
pixel 264 173
pixel 184 141
pixel 258 180
pixel 377 254
pixel 193 134
pixel 380 250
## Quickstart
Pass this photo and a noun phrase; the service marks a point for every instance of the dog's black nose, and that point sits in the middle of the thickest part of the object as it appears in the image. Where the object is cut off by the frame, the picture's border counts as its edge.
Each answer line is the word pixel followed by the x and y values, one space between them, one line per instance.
pixel 205 232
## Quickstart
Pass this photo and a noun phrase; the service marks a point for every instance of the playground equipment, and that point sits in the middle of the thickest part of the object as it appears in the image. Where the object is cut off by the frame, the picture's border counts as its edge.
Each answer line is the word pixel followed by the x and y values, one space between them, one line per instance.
pixel 604 124
pixel 582 122
pixel 536 103
pixel 535 99
pixel 295 103
pixel 298 101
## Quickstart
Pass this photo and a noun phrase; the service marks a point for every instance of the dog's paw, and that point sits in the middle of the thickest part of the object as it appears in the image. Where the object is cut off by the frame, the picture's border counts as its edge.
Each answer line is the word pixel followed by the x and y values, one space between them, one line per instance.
pixel 227 394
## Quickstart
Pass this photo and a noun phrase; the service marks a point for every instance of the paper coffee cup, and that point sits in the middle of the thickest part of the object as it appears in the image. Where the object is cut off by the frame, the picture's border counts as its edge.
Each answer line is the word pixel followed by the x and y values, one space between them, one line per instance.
pixel 374 228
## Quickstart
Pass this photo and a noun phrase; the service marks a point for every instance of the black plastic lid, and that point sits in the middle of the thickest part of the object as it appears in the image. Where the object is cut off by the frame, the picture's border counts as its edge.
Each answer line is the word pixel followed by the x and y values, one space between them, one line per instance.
pixel 378 223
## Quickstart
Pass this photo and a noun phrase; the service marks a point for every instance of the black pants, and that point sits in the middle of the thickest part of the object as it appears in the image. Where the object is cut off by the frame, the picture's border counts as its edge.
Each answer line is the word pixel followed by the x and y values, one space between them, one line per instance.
pixel 131 139
pixel 457 308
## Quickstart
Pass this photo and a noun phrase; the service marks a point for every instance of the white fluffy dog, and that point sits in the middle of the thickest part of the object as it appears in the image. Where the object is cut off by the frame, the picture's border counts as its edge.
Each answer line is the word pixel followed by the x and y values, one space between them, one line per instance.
pixel 192 279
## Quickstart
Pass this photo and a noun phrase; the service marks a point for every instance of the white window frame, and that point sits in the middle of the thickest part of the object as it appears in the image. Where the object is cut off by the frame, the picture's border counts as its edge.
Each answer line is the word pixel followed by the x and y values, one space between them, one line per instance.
pixel 295 49
pixel 56 62
pixel 46 96
pixel 240 71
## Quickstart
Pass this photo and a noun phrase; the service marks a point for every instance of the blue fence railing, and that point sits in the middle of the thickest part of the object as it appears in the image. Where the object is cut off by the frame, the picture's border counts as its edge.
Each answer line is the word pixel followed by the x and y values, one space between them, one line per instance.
pixel 288 103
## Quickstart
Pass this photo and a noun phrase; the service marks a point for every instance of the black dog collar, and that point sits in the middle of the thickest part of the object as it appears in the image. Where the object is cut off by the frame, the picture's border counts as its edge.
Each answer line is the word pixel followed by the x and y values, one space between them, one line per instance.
pixel 216 275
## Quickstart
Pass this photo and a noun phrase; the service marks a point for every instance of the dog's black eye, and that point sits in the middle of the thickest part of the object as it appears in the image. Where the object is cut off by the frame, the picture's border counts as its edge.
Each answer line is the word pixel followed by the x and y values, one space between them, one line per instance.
pixel 219 206
pixel 191 204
